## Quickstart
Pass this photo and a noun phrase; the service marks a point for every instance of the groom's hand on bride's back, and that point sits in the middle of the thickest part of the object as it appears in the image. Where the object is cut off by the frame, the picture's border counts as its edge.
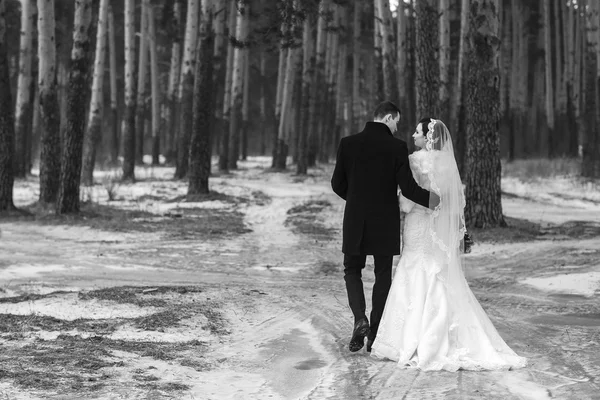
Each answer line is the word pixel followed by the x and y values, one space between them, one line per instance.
pixel 434 200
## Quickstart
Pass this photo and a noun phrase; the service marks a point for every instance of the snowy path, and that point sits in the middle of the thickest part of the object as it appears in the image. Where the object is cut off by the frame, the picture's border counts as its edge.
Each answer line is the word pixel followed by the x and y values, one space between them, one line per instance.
pixel 287 308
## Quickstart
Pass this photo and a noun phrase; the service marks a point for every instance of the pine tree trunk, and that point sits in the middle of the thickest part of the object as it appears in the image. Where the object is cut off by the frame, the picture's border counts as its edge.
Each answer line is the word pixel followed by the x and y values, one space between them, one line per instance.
pixel 283 52
pixel 245 106
pixel 154 87
pixel 140 111
pixel 356 92
pixel 129 117
pixel 427 67
pixel 316 92
pixel 378 78
pixel 263 103
pixel 590 166
pixel 7 133
pixel 457 111
pixel 219 68
pixel 49 106
pixel 186 89
pixel 237 87
pixel 484 206
pixel 286 118
pixel 444 61
pixel 401 51
pixel 94 127
pixel 78 88
pixel 388 46
pixel 226 120
pixel 170 105
pixel 308 70
pixel 327 126
pixel 549 94
pixel 200 145
pixel 24 95
pixel 114 105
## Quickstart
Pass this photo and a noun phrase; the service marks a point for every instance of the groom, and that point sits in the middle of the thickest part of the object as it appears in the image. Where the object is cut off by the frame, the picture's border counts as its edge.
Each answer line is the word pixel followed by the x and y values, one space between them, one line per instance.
pixel 369 168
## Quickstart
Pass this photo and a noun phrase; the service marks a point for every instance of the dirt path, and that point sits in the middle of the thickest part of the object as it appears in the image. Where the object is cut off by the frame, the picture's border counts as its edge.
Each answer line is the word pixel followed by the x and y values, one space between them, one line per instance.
pixel 279 323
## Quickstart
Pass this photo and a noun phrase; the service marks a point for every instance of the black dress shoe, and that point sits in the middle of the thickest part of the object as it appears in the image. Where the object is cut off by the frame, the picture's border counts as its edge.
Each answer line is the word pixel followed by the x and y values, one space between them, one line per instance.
pixel 369 345
pixel 361 329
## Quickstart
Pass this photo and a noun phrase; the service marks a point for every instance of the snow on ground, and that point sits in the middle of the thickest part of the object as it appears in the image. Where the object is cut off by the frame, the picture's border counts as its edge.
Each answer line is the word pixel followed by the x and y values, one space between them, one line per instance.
pixel 584 284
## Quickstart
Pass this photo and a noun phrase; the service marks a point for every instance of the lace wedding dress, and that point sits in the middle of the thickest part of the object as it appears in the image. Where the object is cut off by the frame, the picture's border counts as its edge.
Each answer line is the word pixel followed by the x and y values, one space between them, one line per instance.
pixel 431 319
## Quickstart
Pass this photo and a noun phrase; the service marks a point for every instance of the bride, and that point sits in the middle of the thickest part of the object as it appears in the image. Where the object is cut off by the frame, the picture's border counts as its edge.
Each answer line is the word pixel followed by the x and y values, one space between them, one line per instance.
pixel 431 319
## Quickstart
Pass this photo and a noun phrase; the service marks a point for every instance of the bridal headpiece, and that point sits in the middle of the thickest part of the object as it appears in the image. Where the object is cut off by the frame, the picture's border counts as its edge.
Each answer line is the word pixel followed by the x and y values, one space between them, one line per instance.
pixel 430 141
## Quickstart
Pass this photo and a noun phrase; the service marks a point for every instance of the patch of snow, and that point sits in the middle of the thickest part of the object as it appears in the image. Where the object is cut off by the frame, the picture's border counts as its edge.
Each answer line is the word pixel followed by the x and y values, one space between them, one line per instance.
pixel 586 284
pixel 17 271
pixel 70 307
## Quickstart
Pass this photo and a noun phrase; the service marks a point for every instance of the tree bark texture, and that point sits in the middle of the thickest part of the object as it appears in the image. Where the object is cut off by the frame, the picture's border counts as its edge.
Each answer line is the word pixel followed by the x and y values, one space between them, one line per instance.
pixel 388 46
pixel 70 172
pixel 427 67
pixel 94 127
pixel 130 81
pixel 169 112
pixel 114 106
pixel 444 61
pixel 49 106
pixel 7 133
pixel 24 105
pixel 226 116
pixel 204 104
pixel 186 89
pixel 483 192
pixel 140 111
pixel 154 86
pixel 237 88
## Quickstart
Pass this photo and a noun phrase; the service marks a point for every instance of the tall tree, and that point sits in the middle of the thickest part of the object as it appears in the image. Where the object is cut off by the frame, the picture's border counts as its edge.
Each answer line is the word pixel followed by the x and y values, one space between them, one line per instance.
pixel 444 60
pixel 283 137
pixel 70 172
pixel 388 47
pixel 308 66
pixel 204 102
pixel 7 133
pixel 170 104
pixel 94 127
pixel 549 94
pixel 129 118
pixel 24 95
pixel 114 107
pixel 483 194
pixel 140 111
pixel 244 131
pixel 220 54
pixel 590 167
pixel 186 88
pixel 263 102
pixel 316 93
pixel 427 67
pixel 283 51
pixel 48 99
pixel 226 115
pixel 154 86
pixel 237 88
pixel 356 59
pixel 457 111
pixel 402 63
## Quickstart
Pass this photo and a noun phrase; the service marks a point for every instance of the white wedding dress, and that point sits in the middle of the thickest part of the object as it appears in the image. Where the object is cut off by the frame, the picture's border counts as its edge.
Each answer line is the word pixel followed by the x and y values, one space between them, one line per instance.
pixel 431 319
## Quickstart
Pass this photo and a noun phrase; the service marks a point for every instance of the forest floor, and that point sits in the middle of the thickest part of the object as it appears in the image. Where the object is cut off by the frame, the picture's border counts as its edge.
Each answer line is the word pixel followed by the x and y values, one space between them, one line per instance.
pixel 240 294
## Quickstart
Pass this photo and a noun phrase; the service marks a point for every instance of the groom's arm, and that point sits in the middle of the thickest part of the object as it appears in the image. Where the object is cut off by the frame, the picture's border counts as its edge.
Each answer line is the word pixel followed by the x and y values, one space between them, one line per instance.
pixel 339 182
pixel 404 177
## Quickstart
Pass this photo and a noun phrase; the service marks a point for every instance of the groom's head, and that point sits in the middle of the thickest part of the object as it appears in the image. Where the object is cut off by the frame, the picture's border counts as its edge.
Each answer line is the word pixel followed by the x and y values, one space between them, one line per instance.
pixel 387 113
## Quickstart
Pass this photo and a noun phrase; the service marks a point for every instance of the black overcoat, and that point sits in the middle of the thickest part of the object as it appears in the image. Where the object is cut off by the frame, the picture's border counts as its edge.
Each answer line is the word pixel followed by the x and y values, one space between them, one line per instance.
pixel 369 168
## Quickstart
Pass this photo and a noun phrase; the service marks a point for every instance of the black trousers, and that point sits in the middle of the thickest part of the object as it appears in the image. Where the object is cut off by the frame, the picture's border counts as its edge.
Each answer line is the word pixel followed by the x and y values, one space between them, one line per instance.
pixel 353 266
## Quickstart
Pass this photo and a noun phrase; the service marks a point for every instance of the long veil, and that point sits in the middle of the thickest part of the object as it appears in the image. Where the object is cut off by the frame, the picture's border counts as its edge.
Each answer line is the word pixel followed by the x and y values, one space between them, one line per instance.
pixel 447 226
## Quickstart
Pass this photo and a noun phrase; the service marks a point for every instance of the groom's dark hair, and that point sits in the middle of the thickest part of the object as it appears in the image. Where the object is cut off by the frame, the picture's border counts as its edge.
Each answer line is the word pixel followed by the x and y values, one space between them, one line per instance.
pixel 385 108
